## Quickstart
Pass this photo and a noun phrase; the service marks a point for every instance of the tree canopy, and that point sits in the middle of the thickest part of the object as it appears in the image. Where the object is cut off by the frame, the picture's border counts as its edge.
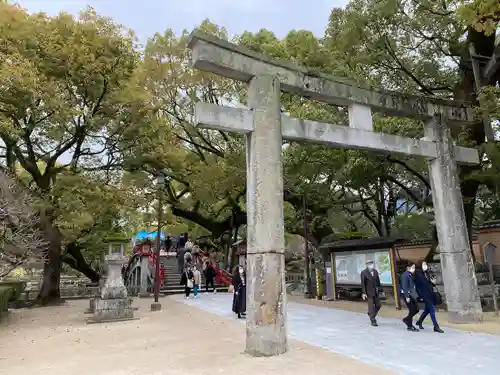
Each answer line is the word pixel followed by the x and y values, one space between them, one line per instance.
pixel 88 118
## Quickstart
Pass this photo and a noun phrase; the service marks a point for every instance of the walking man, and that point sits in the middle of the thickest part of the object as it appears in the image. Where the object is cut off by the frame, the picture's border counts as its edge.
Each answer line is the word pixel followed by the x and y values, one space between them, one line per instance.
pixel 410 295
pixel 370 287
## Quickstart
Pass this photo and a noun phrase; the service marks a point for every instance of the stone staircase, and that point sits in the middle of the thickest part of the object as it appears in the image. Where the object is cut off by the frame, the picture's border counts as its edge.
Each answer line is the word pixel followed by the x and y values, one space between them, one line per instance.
pixel 173 278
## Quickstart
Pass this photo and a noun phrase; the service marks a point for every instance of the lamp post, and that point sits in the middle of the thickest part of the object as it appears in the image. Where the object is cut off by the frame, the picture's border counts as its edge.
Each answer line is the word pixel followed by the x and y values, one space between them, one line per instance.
pixel 156 305
pixel 307 270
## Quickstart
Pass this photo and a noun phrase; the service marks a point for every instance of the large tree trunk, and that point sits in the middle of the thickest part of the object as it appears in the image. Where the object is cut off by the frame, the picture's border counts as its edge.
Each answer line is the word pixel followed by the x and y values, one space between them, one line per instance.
pixel 75 259
pixel 49 292
pixel 475 133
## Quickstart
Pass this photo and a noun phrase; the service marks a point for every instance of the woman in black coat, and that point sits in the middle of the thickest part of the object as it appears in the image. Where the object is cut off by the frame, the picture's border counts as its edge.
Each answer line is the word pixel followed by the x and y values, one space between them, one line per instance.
pixel 240 291
pixel 425 289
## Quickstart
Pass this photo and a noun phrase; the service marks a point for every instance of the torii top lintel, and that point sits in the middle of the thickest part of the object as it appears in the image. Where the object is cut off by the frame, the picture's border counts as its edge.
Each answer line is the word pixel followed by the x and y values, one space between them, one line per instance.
pixel 221 57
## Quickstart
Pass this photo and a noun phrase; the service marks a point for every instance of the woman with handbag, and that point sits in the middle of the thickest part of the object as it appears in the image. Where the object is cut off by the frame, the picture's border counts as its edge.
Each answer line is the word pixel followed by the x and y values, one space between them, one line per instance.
pixel 187 279
pixel 424 283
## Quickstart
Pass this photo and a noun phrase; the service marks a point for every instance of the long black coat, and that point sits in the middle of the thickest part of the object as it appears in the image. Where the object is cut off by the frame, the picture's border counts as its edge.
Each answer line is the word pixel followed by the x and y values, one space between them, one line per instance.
pixel 370 285
pixel 425 288
pixel 240 293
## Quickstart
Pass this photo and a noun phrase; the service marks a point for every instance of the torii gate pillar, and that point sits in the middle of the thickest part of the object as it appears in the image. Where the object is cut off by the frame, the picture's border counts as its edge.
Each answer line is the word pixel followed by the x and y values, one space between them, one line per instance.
pixel 266 309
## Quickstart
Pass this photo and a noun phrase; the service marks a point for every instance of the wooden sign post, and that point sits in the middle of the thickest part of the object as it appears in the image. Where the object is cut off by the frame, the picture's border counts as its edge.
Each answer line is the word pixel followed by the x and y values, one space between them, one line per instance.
pixel 489 255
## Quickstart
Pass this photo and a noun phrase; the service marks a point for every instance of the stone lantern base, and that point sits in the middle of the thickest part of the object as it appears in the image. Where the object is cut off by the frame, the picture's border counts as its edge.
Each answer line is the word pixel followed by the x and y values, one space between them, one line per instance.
pixel 113 304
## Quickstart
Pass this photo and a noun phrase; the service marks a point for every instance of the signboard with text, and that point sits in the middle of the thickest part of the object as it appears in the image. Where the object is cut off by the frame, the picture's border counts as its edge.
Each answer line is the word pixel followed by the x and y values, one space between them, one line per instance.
pixel 348 266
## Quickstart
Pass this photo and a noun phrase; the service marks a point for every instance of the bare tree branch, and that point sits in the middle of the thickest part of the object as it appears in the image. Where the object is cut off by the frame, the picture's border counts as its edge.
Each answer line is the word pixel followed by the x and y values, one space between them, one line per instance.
pixel 21 240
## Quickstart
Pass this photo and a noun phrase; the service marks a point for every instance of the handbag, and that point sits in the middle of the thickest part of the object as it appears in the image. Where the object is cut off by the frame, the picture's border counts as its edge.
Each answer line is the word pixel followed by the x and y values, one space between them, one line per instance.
pixel 438 298
pixel 189 282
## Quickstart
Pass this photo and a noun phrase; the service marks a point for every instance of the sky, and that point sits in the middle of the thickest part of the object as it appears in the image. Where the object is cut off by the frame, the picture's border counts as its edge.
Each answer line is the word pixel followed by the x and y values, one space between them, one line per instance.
pixel 147 17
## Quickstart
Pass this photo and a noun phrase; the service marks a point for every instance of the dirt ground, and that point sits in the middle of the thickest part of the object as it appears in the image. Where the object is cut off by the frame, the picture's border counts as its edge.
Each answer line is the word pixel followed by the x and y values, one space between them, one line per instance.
pixel 491 323
pixel 177 340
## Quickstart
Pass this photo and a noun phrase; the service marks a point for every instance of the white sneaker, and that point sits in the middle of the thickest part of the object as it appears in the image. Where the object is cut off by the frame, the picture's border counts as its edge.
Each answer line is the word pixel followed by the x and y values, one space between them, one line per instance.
pixel 195 297
pixel 215 291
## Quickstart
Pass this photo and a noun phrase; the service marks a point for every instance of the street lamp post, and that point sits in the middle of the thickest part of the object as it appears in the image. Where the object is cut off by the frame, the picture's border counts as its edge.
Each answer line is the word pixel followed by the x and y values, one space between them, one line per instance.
pixel 307 270
pixel 156 305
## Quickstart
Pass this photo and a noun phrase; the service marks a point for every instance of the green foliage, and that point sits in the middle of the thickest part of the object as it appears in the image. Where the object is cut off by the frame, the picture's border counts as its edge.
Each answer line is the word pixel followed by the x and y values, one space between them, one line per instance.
pixel 81 87
pixel 16 288
pixel 483 15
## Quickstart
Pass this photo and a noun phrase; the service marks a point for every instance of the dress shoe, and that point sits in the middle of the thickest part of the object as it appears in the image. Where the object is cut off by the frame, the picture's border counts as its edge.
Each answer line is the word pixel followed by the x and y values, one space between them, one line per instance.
pixel 412 329
pixel 438 330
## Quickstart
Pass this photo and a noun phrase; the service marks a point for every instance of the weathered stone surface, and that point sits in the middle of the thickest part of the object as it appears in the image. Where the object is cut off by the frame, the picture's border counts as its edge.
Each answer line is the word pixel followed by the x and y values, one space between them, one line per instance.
pixel 113 303
pixel 266 294
pixel 156 306
pixel 114 286
pixel 143 292
pixel 240 121
pixel 462 295
pixel 229 60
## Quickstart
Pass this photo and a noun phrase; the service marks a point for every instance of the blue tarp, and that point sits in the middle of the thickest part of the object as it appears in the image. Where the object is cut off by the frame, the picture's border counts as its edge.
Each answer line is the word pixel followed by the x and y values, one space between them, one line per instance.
pixel 149 235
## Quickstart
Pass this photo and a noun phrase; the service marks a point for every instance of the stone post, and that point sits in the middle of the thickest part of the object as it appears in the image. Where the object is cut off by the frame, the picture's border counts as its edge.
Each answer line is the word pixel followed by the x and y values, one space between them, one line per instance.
pixel 460 284
pixel 143 290
pixel 113 303
pixel 266 298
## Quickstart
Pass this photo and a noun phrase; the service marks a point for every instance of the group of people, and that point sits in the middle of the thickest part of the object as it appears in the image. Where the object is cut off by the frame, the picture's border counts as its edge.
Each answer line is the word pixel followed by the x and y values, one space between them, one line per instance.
pixel 417 284
pixel 187 253
pixel 191 279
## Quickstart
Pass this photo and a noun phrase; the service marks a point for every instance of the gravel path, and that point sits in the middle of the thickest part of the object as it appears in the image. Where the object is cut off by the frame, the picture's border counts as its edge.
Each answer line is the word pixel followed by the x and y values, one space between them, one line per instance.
pixel 177 340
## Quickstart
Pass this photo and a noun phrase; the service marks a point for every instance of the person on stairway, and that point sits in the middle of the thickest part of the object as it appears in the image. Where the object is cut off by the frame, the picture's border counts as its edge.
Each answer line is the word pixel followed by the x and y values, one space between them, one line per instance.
pixel 187 279
pixel 197 281
pixel 240 295
pixel 410 295
pixel 424 283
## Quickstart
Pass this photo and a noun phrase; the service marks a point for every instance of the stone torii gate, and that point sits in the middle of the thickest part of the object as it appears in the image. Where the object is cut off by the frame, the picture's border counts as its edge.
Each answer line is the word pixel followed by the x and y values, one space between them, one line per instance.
pixel 265 127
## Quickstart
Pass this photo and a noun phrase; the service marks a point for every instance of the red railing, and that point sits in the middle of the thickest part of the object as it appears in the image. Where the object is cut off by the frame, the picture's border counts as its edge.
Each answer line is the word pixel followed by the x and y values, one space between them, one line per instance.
pixel 223 277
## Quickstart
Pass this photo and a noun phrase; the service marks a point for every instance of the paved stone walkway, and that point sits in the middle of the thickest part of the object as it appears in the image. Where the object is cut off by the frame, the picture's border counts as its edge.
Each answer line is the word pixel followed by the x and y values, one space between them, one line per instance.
pixel 388 346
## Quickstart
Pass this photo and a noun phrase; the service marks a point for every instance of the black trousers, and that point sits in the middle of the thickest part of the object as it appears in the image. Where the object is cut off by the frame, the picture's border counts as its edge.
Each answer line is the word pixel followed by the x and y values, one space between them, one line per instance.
pixel 209 282
pixel 187 291
pixel 412 311
pixel 373 307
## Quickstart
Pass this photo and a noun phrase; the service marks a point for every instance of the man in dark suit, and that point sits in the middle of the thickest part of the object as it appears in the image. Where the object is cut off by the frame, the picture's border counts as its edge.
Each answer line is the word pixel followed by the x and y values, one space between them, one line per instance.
pixel 370 287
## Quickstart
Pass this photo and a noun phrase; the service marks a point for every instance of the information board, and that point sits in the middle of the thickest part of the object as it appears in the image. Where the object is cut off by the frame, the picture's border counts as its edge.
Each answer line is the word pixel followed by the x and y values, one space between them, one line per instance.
pixel 348 266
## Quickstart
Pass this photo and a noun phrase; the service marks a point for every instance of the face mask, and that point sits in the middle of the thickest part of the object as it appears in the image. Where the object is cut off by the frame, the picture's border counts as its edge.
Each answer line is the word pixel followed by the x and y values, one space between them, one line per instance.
pixel 370 267
pixel 424 267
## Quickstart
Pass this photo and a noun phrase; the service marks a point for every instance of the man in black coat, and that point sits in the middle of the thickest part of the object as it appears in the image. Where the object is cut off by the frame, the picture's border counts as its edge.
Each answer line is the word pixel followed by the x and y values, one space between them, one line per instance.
pixel 370 287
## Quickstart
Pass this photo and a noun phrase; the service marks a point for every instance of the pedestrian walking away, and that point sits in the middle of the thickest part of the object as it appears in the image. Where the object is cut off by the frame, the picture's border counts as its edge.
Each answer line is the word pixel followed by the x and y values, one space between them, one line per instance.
pixel 197 281
pixel 188 258
pixel 425 284
pixel 187 279
pixel 410 295
pixel 210 274
pixel 371 289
